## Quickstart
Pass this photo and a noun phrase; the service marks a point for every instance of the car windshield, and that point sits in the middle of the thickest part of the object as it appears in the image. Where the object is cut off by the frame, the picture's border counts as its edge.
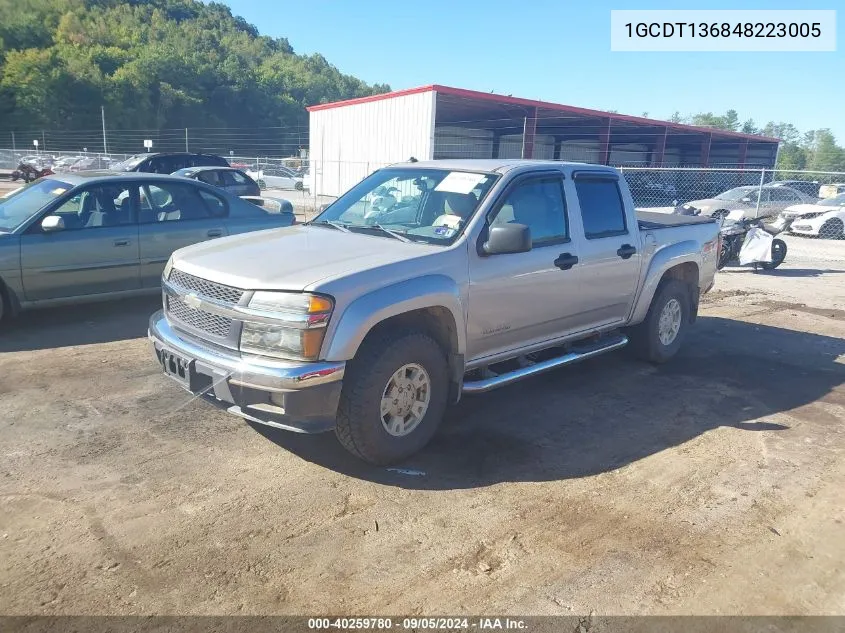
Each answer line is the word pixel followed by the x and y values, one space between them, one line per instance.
pixel 424 205
pixel 738 193
pixel 130 163
pixel 29 200
pixel 835 201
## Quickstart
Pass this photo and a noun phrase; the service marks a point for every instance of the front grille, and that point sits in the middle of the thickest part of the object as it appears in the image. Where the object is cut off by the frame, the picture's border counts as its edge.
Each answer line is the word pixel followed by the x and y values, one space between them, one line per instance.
pixel 205 288
pixel 199 319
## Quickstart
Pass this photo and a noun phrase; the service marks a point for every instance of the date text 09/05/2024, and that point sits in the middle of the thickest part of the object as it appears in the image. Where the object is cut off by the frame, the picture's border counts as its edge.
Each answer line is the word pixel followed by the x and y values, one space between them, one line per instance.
pixel 723 29
pixel 417 623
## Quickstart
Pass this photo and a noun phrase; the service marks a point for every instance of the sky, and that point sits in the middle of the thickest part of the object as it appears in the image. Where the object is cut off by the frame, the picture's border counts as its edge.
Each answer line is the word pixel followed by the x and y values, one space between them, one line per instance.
pixel 559 51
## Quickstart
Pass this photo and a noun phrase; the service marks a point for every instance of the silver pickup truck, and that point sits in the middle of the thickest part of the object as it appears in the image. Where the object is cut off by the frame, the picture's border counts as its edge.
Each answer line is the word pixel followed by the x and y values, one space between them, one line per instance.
pixel 426 281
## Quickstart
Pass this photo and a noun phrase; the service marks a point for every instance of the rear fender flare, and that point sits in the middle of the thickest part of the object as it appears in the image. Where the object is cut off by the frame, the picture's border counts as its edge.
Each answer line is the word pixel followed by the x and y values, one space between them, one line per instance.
pixel 664 259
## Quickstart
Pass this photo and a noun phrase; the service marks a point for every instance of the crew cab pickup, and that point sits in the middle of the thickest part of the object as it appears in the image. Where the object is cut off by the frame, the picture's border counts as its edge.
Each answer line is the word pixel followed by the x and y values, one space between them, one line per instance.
pixel 426 281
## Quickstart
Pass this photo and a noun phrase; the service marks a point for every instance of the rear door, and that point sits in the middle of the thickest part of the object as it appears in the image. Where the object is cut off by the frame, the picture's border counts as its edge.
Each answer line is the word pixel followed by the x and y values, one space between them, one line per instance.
pixel 97 251
pixel 610 257
pixel 172 215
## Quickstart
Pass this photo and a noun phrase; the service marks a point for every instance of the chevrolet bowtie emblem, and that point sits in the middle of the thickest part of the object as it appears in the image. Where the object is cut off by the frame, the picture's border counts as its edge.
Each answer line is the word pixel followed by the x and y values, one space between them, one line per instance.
pixel 193 300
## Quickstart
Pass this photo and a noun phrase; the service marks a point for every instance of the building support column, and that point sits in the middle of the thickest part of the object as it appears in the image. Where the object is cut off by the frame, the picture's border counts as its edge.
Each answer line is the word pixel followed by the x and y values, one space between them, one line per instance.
pixel 528 132
pixel 497 137
pixel 743 153
pixel 704 158
pixel 604 142
pixel 660 149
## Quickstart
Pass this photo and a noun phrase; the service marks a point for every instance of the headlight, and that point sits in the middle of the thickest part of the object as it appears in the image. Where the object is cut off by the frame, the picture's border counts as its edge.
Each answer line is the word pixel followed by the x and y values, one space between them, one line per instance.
pixel 285 324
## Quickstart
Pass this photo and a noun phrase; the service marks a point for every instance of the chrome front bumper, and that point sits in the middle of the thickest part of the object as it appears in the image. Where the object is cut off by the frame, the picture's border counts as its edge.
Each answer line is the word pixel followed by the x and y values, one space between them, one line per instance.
pixel 296 396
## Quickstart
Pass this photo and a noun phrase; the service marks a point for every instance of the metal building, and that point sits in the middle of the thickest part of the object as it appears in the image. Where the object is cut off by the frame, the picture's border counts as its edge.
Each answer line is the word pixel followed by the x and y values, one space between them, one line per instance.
pixel 349 139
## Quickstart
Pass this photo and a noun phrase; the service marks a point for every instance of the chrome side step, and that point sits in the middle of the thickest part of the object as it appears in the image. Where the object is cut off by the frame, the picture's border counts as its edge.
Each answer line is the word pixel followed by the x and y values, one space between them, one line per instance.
pixel 488 384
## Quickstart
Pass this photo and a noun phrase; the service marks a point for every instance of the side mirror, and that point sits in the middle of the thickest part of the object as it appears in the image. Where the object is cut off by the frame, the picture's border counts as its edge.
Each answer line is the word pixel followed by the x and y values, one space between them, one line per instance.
pixel 507 238
pixel 53 223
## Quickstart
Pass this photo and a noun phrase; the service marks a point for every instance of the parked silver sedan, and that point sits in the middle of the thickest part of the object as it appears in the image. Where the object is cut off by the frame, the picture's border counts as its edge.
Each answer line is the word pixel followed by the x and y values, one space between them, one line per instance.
pixel 89 236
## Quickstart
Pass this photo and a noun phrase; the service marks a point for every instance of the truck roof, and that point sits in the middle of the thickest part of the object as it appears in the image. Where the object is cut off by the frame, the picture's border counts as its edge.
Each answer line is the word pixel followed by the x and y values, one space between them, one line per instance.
pixel 499 165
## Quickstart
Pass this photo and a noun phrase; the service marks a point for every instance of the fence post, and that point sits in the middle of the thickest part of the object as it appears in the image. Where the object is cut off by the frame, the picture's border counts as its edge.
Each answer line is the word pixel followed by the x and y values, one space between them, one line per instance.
pixel 186 140
pixel 760 193
pixel 14 149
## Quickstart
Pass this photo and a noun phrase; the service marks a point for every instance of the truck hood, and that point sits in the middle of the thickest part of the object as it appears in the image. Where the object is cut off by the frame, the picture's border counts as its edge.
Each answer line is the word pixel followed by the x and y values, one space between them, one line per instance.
pixel 292 258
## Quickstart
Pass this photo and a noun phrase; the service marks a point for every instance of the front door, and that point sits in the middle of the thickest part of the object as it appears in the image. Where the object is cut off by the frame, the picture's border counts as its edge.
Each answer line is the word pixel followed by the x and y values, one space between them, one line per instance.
pixel 172 215
pixel 523 298
pixel 610 254
pixel 96 251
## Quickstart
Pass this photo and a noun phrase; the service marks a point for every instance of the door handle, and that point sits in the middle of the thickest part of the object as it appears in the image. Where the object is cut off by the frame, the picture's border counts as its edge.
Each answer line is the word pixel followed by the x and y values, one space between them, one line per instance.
pixel 625 251
pixel 121 242
pixel 566 261
pixel 214 233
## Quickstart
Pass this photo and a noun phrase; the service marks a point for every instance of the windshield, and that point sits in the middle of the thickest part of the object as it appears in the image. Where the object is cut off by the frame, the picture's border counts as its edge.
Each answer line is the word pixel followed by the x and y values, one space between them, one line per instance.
pixel 29 200
pixel 738 193
pixel 424 205
pixel 835 201
pixel 130 163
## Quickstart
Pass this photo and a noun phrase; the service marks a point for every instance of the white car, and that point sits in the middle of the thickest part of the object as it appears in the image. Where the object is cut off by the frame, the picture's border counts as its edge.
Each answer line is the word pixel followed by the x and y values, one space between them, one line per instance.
pixel 826 218
pixel 276 178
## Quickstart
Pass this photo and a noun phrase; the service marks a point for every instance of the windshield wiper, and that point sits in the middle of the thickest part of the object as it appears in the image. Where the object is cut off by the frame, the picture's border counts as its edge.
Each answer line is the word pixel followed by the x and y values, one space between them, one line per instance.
pixel 390 232
pixel 340 226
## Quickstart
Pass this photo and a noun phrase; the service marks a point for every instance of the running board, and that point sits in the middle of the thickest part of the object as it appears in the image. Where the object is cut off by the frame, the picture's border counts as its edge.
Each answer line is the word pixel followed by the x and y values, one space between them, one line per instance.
pixel 488 384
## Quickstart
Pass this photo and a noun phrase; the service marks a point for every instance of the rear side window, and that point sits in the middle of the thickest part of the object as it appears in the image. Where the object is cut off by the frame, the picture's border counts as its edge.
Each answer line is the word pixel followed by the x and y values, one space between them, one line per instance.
pixel 210 177
pixel 602 211
pixel 217 207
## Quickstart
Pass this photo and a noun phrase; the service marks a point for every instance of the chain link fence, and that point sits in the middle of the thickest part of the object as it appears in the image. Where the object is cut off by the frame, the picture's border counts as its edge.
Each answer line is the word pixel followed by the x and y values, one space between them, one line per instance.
pixel 806 203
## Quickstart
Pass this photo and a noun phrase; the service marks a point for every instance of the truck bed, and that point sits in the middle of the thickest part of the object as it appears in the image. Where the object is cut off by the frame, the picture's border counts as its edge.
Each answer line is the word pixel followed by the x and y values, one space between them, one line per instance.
pixel 649 221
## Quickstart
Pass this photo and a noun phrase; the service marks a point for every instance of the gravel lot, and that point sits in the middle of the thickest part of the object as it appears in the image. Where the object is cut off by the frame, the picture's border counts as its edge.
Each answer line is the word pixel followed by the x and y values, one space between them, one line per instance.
pixel 710 485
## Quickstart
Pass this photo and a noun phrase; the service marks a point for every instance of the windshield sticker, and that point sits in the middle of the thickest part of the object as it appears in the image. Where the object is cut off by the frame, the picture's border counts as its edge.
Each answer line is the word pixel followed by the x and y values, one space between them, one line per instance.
pixel 459 182
pixel 444 231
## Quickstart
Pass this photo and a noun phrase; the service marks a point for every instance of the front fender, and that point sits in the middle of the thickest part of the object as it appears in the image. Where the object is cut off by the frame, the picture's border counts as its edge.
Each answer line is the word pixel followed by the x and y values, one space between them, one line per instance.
pixel 661 261
pixel 366 311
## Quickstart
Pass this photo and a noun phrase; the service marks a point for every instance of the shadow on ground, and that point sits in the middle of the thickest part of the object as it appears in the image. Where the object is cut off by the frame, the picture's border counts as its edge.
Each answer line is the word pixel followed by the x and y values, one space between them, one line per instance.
pixel 610 411
pixel 784 272
pixel 116 320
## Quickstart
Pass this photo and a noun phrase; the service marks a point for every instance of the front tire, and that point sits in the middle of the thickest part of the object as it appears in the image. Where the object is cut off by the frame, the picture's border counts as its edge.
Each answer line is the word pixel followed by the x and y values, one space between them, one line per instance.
pixel 778 255
pixel 394 395
pixel 658 338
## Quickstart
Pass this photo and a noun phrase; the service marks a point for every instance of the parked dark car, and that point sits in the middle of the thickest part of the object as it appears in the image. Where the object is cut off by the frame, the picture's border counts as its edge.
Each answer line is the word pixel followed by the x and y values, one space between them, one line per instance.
pixel 168 163
pixel 97 235
pixel 232 180
pixel 807 187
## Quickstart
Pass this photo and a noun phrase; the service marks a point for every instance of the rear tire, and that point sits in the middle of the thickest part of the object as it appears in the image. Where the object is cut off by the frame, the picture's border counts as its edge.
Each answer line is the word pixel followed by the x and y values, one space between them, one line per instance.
pixel 658 338
pixel 778 255
pixel 298 186
pixel 368 425
pixel 262 185
pixel 833 229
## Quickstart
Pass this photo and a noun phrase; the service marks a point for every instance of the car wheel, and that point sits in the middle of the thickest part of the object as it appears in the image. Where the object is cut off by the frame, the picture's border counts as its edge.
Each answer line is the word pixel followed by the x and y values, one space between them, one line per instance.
pixel 833 229
pixel 721 213
pixel 778 255
pixel 298 186
pixel 262 184
pixel 658 338
pixel 394 395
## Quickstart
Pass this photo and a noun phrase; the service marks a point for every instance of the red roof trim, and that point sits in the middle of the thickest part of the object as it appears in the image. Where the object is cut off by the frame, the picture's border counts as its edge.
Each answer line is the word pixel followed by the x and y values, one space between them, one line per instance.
pixel 370 99
pixel 489 96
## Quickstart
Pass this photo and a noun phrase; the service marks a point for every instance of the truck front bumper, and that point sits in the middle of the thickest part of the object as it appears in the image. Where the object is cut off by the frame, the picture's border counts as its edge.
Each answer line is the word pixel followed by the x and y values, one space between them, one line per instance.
pixel 295 396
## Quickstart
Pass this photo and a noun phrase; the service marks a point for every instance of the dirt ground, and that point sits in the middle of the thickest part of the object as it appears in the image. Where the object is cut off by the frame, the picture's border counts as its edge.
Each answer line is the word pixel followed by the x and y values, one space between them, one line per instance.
pixel 710 485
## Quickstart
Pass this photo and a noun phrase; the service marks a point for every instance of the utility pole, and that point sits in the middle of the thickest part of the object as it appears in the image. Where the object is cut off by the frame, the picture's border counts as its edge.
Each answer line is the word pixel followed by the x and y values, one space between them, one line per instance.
pixel 103 116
